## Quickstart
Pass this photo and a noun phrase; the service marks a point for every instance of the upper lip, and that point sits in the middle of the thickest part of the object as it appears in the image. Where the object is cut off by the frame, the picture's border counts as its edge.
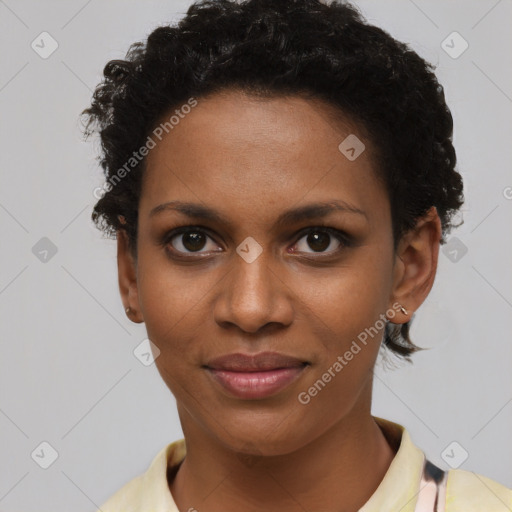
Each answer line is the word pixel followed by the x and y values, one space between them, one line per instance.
pixel 246 362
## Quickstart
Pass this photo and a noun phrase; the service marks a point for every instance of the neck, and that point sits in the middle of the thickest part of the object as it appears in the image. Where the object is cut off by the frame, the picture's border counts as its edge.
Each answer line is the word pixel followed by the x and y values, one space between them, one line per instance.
pixel 339 471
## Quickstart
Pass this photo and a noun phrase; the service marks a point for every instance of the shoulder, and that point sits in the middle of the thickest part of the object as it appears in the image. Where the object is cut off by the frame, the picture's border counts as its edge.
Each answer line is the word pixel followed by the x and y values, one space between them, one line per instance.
pixel 149 490
pixel 468 491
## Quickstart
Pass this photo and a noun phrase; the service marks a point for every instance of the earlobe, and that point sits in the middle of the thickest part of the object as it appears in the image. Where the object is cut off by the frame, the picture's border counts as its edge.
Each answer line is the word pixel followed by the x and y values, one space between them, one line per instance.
pixel 416 264
pixel 127 276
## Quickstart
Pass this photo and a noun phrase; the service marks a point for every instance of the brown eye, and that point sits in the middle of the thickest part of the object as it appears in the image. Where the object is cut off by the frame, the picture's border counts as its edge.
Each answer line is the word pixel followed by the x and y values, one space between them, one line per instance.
pixel 193 241
pixel 190 240
pixel 320 240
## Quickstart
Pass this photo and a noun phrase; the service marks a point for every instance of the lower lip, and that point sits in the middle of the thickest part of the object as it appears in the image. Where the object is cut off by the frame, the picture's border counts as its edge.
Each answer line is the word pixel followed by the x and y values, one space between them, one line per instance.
pixel 254 385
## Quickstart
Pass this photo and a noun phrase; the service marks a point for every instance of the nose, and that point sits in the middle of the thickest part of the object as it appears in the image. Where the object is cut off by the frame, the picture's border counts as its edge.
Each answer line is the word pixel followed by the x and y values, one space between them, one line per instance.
pixel 253 296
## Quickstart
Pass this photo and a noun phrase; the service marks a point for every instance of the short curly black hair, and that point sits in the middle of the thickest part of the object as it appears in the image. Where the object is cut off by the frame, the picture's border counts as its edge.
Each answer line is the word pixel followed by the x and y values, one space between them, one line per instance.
pixel 272 48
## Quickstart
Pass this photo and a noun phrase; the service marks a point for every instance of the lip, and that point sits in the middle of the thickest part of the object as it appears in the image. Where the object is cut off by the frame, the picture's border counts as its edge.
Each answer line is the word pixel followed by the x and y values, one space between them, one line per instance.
pixel 252 363
pixel 255 376
pixel 256 385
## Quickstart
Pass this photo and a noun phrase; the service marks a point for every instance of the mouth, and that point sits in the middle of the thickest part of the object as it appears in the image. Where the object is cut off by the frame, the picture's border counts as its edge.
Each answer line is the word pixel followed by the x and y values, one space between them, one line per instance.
pixel 264 361
pixel 254 377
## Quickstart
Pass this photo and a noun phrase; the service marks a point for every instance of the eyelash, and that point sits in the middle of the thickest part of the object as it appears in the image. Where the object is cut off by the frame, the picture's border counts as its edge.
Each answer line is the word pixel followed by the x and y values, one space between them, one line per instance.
pixel 340 236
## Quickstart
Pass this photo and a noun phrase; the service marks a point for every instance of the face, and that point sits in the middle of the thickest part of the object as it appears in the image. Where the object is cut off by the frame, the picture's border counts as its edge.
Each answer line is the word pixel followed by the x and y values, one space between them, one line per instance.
pixel 253 277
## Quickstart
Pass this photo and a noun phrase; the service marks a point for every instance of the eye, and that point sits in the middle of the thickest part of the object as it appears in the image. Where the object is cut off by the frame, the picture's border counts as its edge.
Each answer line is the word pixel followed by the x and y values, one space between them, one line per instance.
pixel 196 240
pixel 190 239
pixel 319 239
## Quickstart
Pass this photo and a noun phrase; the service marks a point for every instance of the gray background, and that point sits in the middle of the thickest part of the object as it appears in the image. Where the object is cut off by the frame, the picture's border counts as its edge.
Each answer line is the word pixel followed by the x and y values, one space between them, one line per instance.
pixel 68 373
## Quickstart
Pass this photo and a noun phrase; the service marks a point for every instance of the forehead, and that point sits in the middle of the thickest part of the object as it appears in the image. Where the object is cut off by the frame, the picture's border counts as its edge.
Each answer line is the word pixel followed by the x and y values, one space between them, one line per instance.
pixel 253 154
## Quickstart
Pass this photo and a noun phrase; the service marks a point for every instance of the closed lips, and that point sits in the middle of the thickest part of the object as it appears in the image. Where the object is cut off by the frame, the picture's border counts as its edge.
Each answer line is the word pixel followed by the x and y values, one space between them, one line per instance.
pixel 264 361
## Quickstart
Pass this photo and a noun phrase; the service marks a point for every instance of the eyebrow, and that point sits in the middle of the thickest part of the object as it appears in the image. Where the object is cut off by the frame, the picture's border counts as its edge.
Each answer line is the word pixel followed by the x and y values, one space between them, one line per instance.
pixel 293 216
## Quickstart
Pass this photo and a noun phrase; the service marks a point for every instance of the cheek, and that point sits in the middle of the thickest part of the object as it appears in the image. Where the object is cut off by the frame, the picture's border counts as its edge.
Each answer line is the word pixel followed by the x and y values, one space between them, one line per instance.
pixel 350 299
pixel 169 296
pixel 348 323
pixel 346 311
pixel 175 314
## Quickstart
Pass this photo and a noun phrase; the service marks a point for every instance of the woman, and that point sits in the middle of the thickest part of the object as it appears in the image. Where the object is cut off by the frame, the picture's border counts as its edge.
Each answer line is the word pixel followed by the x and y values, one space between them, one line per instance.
pixel 279 178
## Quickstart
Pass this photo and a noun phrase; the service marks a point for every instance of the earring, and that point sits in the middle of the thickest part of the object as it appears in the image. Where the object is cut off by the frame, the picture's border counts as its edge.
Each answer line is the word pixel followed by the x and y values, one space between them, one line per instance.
pixel 403 310
pixel 128 310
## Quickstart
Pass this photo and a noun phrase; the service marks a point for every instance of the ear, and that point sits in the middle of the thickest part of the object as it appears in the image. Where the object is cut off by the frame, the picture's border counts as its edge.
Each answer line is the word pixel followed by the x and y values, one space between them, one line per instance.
pixel 127 275
pixel 416 265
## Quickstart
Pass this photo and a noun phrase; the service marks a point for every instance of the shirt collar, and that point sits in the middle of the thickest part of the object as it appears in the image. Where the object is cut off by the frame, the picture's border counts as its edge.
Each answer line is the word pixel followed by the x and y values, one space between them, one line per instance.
pixel 398 490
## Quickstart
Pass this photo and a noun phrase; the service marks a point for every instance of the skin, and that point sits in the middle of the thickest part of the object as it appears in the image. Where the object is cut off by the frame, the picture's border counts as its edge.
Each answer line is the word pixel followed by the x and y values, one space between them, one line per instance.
pixel 252 159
